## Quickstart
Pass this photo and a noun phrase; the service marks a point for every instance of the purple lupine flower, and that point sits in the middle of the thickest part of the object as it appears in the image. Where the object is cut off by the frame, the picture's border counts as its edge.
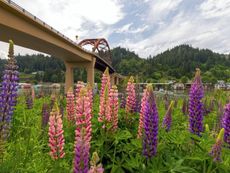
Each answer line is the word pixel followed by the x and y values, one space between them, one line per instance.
pixel 219 116
pixel 226 123
pixel 123 101
pixel 150 126
pixel 137 106
pixel 81 158
pixel 29 102
pixel 216 149
pixel 45 115
pixel 195 105
pixel 8 93
pixel 167 121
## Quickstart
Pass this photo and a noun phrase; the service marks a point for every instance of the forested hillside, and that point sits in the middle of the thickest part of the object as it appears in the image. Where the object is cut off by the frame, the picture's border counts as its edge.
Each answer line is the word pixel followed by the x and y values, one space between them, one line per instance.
pixel 178 63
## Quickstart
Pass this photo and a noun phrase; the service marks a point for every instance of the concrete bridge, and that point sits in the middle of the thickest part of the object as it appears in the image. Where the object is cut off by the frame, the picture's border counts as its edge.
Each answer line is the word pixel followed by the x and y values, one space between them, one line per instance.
pixel 28 31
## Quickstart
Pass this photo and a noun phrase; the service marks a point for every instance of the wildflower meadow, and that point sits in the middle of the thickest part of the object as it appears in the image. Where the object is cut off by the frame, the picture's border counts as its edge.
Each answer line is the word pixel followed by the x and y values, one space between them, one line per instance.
pixel 113 130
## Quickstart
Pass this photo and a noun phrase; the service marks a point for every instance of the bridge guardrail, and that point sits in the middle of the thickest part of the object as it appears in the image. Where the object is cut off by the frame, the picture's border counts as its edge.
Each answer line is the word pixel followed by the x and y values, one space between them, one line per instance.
pixel 27 13
pixel 38 20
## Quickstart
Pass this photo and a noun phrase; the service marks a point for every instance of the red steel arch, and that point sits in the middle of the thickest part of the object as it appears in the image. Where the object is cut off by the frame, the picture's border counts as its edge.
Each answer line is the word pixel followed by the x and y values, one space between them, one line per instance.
pixel 100 46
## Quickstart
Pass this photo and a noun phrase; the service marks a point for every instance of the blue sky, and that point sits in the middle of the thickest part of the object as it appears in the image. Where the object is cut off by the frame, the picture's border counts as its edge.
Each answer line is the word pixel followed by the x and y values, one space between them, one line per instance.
pixel 147 27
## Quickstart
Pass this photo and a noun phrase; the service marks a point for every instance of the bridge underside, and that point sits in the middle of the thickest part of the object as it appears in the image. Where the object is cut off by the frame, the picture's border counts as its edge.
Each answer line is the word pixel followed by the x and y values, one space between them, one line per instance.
pixel 28 31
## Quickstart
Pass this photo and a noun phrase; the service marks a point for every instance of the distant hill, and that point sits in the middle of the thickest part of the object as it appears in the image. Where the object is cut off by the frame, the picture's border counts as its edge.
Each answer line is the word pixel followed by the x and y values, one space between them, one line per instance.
pixel 178 63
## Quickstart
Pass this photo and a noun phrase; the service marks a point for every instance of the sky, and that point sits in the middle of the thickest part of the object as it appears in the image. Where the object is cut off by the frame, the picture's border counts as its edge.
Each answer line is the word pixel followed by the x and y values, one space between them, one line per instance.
pixel 147 27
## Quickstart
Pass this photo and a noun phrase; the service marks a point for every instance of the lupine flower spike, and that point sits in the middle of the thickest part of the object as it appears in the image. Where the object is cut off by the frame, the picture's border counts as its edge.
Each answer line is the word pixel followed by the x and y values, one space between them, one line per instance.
pixel 123 101
pixel 217 147
pixel 219 117
pixel 82 133
pixel 207 130
pixel 113 96
pixel 150 135
pixel 45 115
pixel 142 111
pixel 226 124
pixel 8 93
pixel 70 106
pixel 95 166
pixel 105 80
pixel 167 121
pixel 90 94
pixel 56 136
pixel 195 105
pixel 104 110
pixel 131 97
pixel 79 86
pixel 29 102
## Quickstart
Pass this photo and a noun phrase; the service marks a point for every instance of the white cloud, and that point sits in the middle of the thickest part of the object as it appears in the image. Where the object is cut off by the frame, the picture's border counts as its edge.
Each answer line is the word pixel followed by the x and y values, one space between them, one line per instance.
pixel 62 14
pixel 155 27
pixel 161 8
pixel 3 55
pixel 131 30
pixel 214 8
pixel 17 50
pixel 204 27
pixel 124 29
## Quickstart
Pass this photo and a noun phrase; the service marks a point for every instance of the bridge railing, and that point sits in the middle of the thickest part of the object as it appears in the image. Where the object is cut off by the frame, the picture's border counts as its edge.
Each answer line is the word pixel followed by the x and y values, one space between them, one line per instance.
pixel 38 20
pixel 27 13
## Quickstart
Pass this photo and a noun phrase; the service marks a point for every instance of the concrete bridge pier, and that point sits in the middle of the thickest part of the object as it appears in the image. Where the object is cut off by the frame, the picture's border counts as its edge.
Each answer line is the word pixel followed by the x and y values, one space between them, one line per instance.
pixel 69 77
pixel 90 71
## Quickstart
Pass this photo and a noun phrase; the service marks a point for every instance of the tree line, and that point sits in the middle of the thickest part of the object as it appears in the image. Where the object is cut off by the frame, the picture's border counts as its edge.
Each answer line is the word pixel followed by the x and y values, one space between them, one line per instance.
pixel 178 64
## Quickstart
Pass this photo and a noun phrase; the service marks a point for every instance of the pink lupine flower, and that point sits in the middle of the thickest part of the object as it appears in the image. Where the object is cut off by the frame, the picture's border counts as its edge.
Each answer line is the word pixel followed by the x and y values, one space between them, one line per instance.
pixel 142 112
pixel 95 167
pixel 56 136
pixel 83 113
pixel 105 80
pixel 90 94
pixel 79 86
pixel 131 96
pixel 113 95
pixel 105 109
pixel 83 132
pixel 70 105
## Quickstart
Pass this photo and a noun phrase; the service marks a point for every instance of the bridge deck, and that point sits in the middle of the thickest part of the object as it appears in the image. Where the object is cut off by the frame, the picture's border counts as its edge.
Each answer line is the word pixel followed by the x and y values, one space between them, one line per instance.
pixel 29 31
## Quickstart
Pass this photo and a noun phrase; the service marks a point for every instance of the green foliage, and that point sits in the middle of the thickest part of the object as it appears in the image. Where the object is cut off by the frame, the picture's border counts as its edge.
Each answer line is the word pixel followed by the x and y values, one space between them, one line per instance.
pixel 176 63
pixel 27 149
